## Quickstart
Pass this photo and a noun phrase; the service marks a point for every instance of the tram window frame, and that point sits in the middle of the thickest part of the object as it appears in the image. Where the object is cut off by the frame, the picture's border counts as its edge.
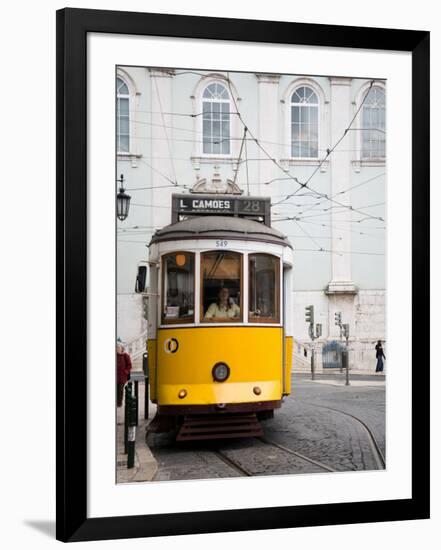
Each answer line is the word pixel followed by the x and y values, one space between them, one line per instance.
pixel 176 321
pixel 220 320
pixel 276 318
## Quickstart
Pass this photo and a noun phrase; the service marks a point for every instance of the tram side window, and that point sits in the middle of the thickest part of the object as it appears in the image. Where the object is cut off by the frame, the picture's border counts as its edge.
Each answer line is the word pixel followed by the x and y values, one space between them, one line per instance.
pixel 264 282
pixel 221 286
pixel 178 288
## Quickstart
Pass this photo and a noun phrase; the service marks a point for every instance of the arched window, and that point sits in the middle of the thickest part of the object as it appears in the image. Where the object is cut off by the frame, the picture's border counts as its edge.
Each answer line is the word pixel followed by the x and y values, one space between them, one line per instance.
pixel 122 116
pixel 373 123
pixel 216 120
pixel 304 123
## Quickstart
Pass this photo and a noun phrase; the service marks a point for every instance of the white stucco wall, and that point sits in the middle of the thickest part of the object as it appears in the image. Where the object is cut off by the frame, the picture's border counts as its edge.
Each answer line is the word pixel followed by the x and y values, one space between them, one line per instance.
pixel 166 148
pixel 129 314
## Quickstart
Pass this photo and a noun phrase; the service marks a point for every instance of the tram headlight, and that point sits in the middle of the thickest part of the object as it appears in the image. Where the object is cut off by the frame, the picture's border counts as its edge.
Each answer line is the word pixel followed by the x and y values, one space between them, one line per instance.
pixel 221 371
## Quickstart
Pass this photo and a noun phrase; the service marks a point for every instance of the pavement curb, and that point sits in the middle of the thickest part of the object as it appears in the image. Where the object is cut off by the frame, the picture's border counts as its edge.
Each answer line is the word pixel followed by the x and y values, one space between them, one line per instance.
pixel 148 465
pixel 145 466
pixel 334 372
pixel 354 383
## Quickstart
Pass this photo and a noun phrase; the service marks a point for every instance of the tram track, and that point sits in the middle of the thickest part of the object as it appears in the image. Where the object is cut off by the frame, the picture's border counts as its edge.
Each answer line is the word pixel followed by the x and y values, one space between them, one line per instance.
pixel 297 454
pixel 265 456
pixel 375 448
pixel 245 472
pixel 232 464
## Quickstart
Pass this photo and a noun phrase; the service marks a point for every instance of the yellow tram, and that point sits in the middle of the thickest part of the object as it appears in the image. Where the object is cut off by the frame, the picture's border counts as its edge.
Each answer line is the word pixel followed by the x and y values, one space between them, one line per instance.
pixel 219 317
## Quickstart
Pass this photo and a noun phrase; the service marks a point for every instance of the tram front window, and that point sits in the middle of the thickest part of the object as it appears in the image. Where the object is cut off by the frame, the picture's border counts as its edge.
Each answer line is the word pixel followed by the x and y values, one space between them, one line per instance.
pixel 263 290
pixel 221 286
pixel 178 288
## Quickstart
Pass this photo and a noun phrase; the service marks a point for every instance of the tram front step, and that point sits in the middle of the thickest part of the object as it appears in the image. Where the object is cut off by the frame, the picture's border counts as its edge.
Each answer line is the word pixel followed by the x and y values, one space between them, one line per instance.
pixel 222 426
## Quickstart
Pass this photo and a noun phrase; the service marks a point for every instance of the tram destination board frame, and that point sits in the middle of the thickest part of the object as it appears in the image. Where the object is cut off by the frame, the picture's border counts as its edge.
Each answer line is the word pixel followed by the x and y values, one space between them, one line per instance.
pixel 259 207
pixel 73 28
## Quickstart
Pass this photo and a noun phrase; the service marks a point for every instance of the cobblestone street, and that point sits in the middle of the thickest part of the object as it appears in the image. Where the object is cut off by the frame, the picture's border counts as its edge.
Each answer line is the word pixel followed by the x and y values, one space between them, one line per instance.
pixel 323 426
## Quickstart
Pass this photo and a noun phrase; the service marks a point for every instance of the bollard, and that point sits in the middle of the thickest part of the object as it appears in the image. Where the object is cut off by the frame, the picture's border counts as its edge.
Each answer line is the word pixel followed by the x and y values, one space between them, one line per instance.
pixel 131 431
pixel 313 364
pixel 136 400
pixel 128 394
pixel 341 354
pixel 145 368
pixel 345 363
pixel 146 397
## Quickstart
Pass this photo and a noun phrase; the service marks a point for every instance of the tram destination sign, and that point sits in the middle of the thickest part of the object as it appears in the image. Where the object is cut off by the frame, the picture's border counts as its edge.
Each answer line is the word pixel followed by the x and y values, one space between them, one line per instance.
pixel 224 205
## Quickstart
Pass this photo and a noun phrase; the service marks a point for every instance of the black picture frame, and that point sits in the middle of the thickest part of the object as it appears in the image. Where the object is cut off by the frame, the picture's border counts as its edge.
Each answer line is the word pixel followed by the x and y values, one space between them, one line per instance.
pixel 73 25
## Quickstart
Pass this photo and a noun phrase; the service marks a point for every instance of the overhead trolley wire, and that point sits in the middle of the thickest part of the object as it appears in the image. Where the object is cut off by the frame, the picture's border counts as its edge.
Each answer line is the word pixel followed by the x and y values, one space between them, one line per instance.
pixel 246 168
pixel 240 154
pixel 344 229
pixel 270 158
pixel 350 222
pixel 346 191
pixel 326 211
pixel 199 133
pixel 239 115
pixel 328 153
pixel 173 182
pixel 165 129
pixel 308 235
pixel 217 141
pixel 340 252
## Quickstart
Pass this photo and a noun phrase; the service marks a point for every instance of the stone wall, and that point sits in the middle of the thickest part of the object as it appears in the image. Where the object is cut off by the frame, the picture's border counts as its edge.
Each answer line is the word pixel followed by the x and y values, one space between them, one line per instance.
pixel 370 326
pixel 365 313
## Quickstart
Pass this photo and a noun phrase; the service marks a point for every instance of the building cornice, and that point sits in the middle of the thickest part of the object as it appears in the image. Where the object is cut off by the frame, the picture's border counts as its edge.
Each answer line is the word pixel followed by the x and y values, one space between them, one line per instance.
pixel 341 288
pixel 340 80
pixel 162 73
pixel 266 78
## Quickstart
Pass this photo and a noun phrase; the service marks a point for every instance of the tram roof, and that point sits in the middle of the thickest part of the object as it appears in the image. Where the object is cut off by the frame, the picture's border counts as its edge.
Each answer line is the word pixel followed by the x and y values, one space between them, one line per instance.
pixel 213 227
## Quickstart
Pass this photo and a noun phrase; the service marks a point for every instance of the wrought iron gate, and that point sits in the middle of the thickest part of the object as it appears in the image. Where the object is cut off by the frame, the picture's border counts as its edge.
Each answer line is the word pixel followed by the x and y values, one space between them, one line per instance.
pixel 332 355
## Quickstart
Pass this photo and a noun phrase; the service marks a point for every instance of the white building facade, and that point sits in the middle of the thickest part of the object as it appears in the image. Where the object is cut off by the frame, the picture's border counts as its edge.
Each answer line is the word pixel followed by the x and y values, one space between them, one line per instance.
pixel 315 145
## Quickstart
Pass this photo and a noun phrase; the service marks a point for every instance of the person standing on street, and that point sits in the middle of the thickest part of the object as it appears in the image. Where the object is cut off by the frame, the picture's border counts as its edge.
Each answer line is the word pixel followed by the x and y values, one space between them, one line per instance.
pixel 123 368
pixel 380 356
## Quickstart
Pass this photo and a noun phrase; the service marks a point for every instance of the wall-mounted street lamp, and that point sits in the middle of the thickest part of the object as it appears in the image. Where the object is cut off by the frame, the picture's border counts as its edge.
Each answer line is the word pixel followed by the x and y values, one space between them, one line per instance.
pixel 122 201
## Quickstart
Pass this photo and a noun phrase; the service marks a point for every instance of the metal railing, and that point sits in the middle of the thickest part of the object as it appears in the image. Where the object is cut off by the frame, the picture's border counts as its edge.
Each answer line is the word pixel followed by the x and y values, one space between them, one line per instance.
pixel 136 347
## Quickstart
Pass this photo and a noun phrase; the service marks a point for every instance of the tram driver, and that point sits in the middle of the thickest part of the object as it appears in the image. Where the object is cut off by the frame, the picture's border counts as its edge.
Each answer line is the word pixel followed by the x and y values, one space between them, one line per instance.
pixel 224 307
